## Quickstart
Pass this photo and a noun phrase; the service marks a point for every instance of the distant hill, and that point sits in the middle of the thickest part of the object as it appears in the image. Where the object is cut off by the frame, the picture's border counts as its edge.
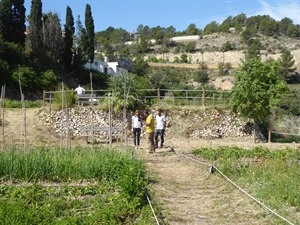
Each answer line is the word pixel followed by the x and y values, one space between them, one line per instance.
pixel 208 50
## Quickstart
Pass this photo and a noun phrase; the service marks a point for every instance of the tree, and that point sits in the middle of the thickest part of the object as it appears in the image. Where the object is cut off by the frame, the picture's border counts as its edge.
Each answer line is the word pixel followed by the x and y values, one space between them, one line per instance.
pixel 12 21
pixel 286 63
pixel 139 66
pixel 67 54
pixel 90 34
pixel 36 26
pixel 210 28
pixel 52 35
pixel 257 90
pixel 202 75
pixel 6 19
pixel 253 50
pixel 192 30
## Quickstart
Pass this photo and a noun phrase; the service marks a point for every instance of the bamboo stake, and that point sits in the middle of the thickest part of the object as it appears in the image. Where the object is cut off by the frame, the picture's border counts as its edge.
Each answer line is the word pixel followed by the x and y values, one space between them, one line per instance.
pixel 92 108
pixel 62 108
pixel 2 115
pixel 23 133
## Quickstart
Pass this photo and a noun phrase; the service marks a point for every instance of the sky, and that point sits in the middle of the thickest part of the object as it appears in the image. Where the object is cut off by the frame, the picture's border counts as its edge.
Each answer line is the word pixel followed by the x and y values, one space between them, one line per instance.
pixel 129 14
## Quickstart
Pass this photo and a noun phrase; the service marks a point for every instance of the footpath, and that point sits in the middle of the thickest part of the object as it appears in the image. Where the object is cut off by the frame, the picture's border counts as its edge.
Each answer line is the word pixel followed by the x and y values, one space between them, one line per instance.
pixel 187 193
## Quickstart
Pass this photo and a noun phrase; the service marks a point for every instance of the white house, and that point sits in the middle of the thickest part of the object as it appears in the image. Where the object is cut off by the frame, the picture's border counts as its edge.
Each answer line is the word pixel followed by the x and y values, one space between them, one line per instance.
pixel 186 38
pixel 107 67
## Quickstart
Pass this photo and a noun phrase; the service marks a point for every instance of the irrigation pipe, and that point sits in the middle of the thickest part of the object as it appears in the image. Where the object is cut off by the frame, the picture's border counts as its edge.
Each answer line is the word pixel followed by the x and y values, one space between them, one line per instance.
pixel 214 168
pixel 148 199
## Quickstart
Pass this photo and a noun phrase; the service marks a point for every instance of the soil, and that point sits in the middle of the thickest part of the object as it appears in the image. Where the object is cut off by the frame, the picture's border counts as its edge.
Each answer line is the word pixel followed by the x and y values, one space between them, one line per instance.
pixel 185 192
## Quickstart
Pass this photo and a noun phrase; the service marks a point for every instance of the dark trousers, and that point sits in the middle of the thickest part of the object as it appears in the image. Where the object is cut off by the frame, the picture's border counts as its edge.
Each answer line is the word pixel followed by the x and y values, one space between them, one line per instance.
pixel 136 136
pixel 161 133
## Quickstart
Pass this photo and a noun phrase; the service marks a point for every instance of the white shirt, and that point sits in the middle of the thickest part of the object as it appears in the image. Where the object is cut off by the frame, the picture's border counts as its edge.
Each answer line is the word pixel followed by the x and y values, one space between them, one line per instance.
pixel 160 121
pixel 79 90
pixel 136 122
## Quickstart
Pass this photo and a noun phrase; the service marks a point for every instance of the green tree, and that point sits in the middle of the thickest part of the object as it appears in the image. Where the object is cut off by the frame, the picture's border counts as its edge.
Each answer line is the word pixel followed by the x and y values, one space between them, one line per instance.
pixel 79 59
pixel 12 21
pixel 257 90
pixel 90 34
pixel 227 23
pixel 211 28
pixel 253 50
pixel 284 24
pixel 52 35
pixel 139 66
pixel 67 53
pixel 121 87
pixel 190 46
pixel 202 75
pixel 192 30
pixel 286 63
pixel 36 26
pixel 239 22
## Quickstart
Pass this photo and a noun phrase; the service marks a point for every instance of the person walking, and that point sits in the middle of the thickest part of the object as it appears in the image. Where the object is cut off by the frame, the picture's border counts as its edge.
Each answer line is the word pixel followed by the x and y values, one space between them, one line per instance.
pixel 136 128
pixel 160 121
pixel 150 130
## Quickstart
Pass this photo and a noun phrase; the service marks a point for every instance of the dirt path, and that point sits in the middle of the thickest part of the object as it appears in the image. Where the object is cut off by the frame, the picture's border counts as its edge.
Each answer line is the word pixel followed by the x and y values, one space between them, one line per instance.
pixel 188 193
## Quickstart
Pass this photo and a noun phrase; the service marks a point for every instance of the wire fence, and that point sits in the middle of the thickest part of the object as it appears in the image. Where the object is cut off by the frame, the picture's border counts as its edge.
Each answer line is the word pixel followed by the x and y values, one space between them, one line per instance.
pixel 177 97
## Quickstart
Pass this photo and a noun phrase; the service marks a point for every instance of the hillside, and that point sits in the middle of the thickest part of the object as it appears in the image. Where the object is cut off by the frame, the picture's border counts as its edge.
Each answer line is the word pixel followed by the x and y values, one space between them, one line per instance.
pixel 211 45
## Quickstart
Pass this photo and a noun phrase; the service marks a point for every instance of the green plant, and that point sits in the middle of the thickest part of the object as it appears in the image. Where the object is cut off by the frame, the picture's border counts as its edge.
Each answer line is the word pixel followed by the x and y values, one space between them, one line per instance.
pixel 64 99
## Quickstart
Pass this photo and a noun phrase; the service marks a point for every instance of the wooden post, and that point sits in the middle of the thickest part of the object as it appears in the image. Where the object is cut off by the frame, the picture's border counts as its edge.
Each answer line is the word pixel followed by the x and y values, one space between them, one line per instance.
pixel 2 115
pixel 203 97
pixel 44 95
pixel 269 136
pixel 158 96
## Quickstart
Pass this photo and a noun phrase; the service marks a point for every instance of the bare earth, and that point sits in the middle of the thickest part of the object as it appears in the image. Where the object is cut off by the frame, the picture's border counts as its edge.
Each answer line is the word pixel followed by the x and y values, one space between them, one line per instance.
pixel 185 191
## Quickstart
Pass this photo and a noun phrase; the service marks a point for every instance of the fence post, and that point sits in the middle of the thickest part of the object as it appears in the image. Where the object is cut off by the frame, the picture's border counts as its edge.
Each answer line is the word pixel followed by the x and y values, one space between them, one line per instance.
pixel 44 95
pixel 158 96
pixel 203 97
pixel 269 136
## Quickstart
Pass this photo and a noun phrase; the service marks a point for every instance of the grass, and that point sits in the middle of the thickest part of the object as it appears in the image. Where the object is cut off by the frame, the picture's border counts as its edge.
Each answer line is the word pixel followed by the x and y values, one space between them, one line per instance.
pixel 272 176
pixel 78 186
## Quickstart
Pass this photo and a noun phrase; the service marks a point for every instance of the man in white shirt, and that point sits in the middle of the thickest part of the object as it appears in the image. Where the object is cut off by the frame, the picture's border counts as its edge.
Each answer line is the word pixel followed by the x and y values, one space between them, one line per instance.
pixel 136 128
pixel 160 121
pixel 79 90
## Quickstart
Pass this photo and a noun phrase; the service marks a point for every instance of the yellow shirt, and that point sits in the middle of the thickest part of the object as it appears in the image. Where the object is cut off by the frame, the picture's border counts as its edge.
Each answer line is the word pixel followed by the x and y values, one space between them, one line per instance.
pixel 150 121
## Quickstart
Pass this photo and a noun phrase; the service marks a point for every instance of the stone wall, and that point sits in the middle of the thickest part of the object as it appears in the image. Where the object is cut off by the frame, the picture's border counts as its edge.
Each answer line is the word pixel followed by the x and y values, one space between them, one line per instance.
pixel 203 124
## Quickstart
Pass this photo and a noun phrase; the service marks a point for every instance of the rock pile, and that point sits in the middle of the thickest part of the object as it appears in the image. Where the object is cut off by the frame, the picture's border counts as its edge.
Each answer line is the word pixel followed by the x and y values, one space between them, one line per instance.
pixel 207 124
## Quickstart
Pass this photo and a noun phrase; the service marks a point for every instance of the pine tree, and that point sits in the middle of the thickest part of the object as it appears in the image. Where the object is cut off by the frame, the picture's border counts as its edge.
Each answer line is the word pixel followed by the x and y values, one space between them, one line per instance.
pixel 90 34
pixel 68 40
pixel 5 19
pixel 12 21
pixel 36 26
pixel 52 35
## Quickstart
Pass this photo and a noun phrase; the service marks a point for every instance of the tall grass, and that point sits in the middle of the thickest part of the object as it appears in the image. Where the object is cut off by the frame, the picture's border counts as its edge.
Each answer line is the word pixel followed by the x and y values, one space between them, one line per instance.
pixel 55 164
pixel 273 176
pixel 112 192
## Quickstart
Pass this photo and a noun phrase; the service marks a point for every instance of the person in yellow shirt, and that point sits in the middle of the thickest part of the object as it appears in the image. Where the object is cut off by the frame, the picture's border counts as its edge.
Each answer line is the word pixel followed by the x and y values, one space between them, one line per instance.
pixel 150 130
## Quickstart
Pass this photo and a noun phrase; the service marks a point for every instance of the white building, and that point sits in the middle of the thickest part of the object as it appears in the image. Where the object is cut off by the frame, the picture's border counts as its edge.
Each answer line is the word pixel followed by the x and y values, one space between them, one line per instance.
pixel 186 38
pixel 107 67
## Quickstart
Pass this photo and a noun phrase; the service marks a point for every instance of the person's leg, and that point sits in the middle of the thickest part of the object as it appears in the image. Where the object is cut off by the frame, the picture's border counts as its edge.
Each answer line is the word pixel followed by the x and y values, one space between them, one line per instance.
pixel 156 138
pixel 148 135
pixel 162 138
pixel 152 142
pixel 134 136
pixel 138 136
